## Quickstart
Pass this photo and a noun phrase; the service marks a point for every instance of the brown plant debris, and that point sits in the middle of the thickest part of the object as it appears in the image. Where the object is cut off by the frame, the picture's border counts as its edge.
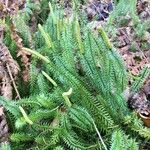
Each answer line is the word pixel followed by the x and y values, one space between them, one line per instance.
pixel 143 9
pixel 131 48
pixel 140 103
pixel 98 10
pixel 6 91
pixel 8 66
pixel 6 58
pixel 3 129
pixel 10 7
pixel 1 32
pixel 25 56
pixel 6 84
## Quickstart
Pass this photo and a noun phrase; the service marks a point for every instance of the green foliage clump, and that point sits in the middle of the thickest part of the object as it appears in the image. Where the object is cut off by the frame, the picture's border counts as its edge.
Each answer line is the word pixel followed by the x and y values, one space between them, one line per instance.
pixel 76 97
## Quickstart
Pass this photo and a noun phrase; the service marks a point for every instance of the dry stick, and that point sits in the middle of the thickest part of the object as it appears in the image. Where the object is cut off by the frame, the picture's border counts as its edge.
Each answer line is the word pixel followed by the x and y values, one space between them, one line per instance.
pixel 99 136
pixel 14 84
pixel 6 3
pixel 143 54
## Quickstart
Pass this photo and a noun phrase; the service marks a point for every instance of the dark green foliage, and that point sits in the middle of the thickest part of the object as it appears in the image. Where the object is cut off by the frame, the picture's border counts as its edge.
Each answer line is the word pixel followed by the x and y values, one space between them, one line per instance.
pixel 92 110
pixel 121 142
pixel 145 72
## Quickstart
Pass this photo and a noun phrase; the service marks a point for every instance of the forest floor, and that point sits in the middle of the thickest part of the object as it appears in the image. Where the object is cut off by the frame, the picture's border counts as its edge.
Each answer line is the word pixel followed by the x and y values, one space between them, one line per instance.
pixel 131 48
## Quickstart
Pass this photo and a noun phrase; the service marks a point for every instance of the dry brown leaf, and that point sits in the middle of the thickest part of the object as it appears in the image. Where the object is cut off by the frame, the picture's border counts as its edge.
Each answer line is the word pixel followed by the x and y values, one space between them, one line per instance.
pixel 1 111
pixel 5 85
pixel 10 7
pixel 25 56
pixel 6 58
pixel 143 9
pixel 1 32
pixel 6 88
pixel 146 89
pixel 3 129
pixel 7 8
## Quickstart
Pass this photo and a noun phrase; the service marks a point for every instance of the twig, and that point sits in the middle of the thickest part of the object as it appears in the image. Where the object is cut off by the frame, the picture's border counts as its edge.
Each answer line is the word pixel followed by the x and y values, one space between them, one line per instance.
pixel 6 3
pixel 99 136
pixel 14 84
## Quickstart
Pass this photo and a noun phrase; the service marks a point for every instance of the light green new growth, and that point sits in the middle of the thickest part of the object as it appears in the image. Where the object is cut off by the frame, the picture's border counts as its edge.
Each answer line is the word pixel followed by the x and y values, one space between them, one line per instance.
pixel 66 98
pixel 105 38
pixel 78 36
pixel 25 116
pixel 37 54
pixel 46 36
pixel 49 78
pixel 52 12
